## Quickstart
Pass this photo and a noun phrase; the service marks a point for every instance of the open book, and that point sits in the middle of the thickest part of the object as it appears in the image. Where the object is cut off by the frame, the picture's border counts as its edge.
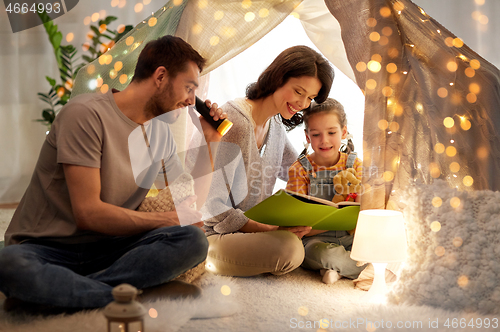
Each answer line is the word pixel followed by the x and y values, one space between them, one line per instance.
pixel 286 208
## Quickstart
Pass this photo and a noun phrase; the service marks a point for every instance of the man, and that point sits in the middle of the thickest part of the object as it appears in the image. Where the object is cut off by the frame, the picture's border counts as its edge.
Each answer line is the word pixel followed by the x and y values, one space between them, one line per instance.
pixel 76 234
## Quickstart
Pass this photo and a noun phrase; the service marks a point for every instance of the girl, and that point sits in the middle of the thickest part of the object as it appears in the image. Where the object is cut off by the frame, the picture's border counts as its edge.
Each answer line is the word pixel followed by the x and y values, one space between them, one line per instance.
pixel 239 246
pixel 325 127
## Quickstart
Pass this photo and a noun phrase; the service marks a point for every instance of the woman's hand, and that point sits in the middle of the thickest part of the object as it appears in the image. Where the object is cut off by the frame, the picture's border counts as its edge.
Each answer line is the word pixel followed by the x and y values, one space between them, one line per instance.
pixel 300 231
pixel 212 135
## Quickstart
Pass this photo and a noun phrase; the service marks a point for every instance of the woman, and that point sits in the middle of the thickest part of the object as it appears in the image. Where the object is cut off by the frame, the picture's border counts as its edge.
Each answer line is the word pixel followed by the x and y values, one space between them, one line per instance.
pixel 240 246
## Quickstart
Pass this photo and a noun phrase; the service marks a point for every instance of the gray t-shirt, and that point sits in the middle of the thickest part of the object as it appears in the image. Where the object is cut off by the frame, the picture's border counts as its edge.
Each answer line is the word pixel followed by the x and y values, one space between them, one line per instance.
pixel 89 131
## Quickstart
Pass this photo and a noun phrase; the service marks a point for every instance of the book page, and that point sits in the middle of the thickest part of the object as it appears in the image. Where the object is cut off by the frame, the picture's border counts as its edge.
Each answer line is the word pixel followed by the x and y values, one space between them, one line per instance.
pixel 312 199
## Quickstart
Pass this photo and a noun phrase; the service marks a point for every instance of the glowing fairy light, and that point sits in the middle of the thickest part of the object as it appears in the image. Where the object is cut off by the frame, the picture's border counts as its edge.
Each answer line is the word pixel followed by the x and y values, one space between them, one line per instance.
pixel 387 91
pixel 153 313
pixel 361 66
pixel 448 122
pixel 434 170
pixel 451 151
pixel 457 42
pixel 388 176
pixel 197 29
pixel 465 124
pixel 249 17
pixel 469 72
pixel 374 36
pixel 202 4
pixel 387 31
pixel 435 226
pixel 457 241
pixel 123 79
pixel 99 81
pixel 118 66
pixel 138 7
pixel 452 66
pixel 371 22
pixel 214 40
pixel 385 11
pixel 246 4
pixel 218 15
pixel 90 69
pixel 474 88
pixel 463 281
pixel 391 68
pixel 455 202
pixel 383 124
pixel 228 32
pixel 439 148
pixel 92 84
pixel 442 92
pixel 482 152
pixel 152 21
pixel 454 167
pixel 394 126
pixel 439 251
pixel 263 12
pixel 225 290
pixel 437 201
pixel 468 181
pixel 371 84
pixel 374 66
pixel 475 64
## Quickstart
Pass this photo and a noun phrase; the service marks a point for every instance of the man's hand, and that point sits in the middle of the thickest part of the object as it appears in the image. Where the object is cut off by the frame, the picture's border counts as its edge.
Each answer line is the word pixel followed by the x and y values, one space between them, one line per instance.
pixel 300 231
pixel 211 135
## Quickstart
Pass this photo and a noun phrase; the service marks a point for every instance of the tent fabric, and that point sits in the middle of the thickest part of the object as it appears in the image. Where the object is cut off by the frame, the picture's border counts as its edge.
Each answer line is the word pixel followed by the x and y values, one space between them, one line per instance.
pixel 432 114
pixel 393 158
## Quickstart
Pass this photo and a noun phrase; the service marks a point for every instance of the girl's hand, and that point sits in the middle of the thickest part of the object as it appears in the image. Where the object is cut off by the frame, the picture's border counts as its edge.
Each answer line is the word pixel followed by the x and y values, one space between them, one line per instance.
pixel 300 231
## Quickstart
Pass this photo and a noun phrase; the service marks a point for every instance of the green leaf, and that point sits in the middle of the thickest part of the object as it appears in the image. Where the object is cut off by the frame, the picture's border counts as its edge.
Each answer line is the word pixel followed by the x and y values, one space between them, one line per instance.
pixel 110 19
pixel 56 39
pixel 48 116
pixel 96 30
pixel 51 81
pixel 87 58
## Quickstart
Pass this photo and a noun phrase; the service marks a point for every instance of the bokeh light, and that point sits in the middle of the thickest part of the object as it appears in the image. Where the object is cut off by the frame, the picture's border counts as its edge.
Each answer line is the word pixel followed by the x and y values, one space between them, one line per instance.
pixel 225 290
pixel 437 201
pixel 435 226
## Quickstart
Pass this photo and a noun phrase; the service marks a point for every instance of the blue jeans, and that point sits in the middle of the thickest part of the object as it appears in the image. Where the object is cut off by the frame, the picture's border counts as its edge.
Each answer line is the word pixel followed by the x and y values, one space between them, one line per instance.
pixel 331 250
pixel 83 275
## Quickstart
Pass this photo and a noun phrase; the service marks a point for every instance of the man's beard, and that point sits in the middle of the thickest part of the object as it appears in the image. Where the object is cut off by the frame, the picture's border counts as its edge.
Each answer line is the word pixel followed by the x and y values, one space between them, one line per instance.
pixel 155 106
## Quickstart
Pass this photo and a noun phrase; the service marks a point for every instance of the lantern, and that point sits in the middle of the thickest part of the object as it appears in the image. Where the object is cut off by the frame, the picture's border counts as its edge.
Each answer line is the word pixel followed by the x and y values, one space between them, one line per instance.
pixel 125 314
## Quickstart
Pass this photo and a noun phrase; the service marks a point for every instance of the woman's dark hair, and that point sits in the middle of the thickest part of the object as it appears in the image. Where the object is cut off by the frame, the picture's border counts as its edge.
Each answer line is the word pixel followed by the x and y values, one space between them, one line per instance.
pixel 295 61
pixel 171 52
pixel 330 105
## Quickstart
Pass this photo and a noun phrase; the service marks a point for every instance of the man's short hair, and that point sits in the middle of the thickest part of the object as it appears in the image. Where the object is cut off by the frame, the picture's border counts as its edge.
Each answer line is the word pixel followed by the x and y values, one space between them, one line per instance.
pixel 171 52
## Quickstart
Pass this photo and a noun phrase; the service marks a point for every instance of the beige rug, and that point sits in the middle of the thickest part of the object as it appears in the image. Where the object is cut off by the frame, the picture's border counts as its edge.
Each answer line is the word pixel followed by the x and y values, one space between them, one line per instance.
pixel 297 301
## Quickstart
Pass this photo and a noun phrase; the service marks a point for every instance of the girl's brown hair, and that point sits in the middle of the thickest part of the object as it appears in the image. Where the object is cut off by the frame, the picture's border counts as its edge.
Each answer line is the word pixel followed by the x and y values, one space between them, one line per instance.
pixel 295 61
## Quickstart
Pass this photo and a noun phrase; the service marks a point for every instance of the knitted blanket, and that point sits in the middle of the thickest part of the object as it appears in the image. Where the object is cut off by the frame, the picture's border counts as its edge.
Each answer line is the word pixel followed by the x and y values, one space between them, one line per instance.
pixel 453 249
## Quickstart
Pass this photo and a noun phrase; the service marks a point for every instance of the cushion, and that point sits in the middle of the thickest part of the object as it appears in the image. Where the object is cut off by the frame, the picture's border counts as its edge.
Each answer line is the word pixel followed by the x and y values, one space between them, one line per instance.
pixel 454 249
pixel 166 200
